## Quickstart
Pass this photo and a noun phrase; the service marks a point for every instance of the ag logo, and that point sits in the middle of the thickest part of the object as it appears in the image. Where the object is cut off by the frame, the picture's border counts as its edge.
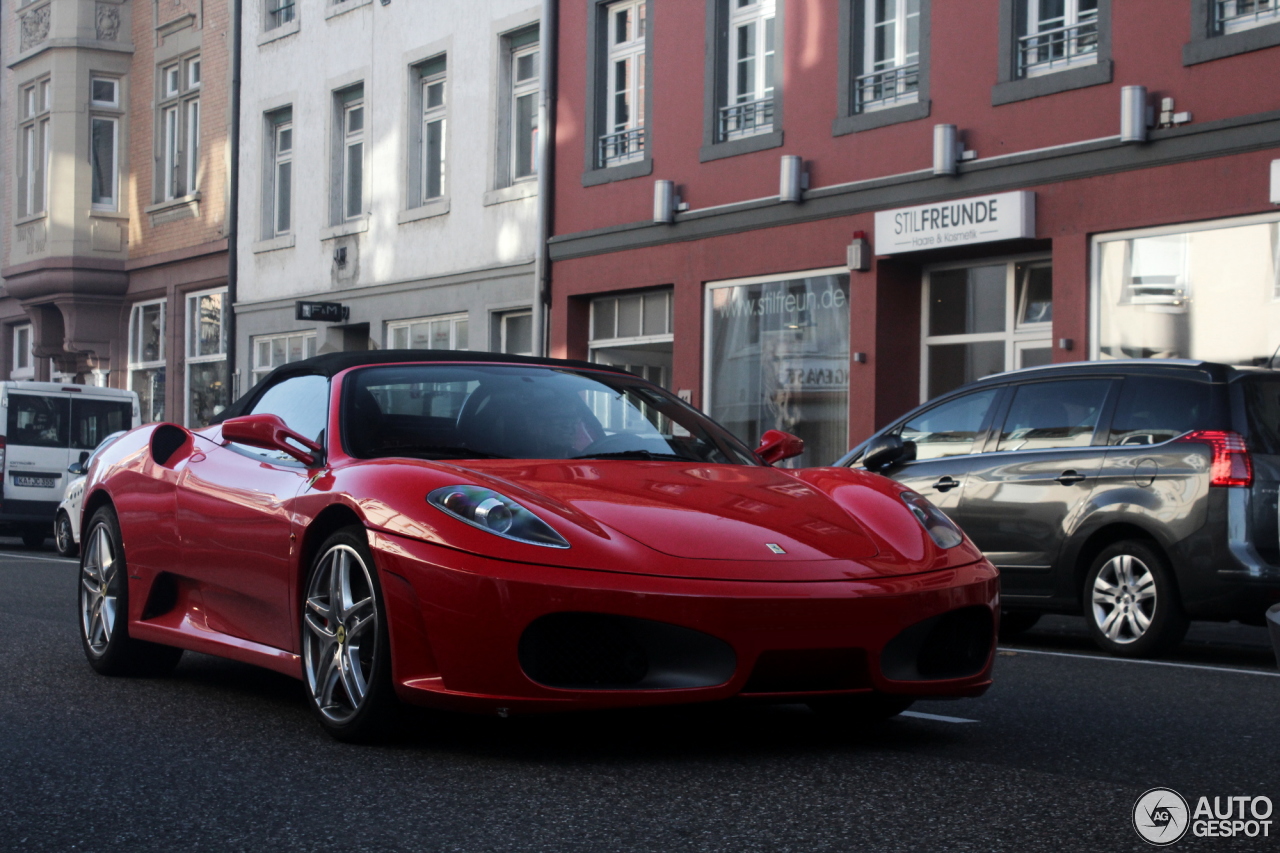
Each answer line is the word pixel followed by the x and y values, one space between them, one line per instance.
pixel 1160 816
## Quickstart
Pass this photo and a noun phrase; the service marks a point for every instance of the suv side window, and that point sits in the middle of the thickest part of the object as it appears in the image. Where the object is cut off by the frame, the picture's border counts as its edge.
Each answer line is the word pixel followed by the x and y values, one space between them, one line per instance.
pixel 1155 409
pixel 949 429
pixel 1046 415
pixel 38 421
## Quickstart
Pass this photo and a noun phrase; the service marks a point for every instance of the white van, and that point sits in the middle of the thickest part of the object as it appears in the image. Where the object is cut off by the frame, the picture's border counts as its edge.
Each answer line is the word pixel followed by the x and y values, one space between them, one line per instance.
pixel 45 427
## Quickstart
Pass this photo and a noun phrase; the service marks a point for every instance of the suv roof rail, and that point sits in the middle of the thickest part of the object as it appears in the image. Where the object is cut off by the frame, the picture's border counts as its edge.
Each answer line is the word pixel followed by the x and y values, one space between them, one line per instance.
pixel 1104 363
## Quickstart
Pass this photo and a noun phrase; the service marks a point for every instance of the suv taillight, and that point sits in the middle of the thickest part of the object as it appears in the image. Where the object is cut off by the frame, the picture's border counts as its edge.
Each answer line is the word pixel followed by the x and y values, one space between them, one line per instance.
pixel 1 455
pixel 1231 463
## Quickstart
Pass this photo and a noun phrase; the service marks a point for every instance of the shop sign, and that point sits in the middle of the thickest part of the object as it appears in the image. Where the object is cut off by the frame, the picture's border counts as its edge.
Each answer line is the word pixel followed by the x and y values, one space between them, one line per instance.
pixel 324 312
pixel 959 222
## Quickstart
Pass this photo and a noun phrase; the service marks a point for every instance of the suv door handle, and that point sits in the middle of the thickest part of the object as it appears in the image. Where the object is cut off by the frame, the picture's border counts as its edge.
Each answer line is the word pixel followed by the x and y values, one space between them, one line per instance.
pixel 1070 477
pixel 946 484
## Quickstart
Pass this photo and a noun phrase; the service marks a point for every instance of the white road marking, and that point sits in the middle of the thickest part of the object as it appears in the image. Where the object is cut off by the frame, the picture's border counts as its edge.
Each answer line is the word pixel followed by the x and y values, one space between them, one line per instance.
pixel 920 715
pixel 43 559
pixel 1148 662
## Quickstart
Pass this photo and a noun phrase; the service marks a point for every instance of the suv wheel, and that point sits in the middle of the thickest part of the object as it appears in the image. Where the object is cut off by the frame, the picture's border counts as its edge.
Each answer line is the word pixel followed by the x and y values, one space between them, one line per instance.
pixel 1131 604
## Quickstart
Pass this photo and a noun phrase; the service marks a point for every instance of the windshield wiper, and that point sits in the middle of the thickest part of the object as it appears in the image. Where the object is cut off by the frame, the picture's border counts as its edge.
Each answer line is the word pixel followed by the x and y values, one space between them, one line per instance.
pixel 427 452
pixel 634 454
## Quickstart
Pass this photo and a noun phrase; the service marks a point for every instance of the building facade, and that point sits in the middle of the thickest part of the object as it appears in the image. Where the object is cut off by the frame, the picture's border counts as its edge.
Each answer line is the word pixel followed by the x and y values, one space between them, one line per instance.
pixel 813 216
pixel 389 165
pixel 116 198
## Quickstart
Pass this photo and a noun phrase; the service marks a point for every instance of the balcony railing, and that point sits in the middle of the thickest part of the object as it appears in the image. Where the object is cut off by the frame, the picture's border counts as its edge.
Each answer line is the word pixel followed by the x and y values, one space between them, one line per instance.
pixel 621 147
pixel 746 119
pixel 1232 15
pixel 281 14
pixel 1049 49
pixel 888 87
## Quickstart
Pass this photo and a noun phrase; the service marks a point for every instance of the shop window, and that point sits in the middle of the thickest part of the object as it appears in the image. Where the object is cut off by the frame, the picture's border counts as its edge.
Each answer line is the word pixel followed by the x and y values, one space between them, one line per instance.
pixel 208 391
pixel 23 365
pixel 271 351
pixel 985 319
pixel 1205 291
pixel 635 332
pixel 146 358
pixel 445 332
pixel 778 358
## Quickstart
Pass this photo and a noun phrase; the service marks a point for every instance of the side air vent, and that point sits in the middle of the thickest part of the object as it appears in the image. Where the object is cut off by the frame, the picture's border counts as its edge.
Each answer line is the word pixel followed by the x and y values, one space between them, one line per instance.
pixel 166 440
pixel 955 644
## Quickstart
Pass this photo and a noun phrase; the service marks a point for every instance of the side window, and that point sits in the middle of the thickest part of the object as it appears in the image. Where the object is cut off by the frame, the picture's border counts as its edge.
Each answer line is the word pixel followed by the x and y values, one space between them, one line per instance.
pixel 37 421
pixel 302 403
pixel 949 429
pixel 1046 415
pixel 1152 410
pixel 93 420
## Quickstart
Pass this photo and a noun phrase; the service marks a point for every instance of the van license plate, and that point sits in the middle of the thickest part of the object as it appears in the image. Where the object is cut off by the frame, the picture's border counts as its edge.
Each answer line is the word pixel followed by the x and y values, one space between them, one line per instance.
pixel 34 482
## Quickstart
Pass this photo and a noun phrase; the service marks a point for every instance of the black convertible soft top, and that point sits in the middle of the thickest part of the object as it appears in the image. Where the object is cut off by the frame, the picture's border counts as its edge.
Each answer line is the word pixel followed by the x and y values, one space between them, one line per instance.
pixel 332 363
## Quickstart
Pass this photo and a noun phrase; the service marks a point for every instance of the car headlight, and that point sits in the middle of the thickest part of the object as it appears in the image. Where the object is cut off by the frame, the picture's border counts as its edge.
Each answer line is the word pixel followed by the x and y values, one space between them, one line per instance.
pixel 495 513
pixel 941 529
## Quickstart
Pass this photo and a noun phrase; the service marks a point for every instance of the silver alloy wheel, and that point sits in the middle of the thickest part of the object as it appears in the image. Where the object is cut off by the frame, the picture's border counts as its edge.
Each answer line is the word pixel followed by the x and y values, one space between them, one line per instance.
pixel 98 590
pixel 62 535
pixel 340 621
pixel 1124 599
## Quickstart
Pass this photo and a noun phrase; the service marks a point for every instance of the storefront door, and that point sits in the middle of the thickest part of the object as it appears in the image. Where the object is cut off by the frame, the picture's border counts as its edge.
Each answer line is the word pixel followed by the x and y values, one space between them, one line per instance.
pixel 984 318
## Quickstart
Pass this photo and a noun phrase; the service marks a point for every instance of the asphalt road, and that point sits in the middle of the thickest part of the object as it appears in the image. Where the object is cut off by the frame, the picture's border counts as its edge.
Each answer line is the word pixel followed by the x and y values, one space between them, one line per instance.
pixel 225 757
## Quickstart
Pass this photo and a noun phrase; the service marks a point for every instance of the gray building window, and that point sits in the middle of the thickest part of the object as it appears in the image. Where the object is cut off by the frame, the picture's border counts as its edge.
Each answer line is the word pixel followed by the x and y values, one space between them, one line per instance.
pixel 884 63
pixel 520 83
pixel 277 190
pixel 1221 28
pixel 428 160
pixel 33 148
pixel 348 166
pixel 743 100
pixel 1050 46
pixel 279 13
pixel 619 90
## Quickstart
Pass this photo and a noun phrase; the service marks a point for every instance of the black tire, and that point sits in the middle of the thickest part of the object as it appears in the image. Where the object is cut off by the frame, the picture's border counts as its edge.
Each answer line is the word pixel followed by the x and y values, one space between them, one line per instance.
pixel 63 536
pixel 33 537
pixel 1015 623
pixel 862 708
pixel 103 600
pixel 1131 602
pixel 346 655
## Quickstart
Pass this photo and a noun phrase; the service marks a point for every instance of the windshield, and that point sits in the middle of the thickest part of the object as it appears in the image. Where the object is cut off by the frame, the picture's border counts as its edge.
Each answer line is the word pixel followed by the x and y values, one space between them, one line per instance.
pixel 465 411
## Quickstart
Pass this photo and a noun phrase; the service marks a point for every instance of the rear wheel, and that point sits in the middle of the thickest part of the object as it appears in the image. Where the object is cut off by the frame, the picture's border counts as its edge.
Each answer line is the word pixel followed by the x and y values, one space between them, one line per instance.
pixel 346 650
pixel 63 537
pixel 862 708
pixel 104 607
pixel 1131 602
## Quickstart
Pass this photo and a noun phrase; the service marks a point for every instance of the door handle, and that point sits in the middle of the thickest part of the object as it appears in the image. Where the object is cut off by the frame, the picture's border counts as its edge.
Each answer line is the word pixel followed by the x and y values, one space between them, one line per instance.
pixel 1070 477
pixel 946 484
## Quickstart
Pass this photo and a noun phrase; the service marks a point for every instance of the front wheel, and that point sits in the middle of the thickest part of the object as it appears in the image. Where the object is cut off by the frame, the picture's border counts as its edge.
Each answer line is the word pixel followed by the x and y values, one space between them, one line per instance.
pixel 63 536
pixel 104 607
pixel 1131 602
pixel 346 650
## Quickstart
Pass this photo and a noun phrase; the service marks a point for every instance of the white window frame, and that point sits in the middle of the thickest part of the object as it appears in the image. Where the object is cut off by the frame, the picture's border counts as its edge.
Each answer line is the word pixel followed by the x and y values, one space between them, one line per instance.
pixel 521 89
pixel 894 79
pixel 1233 16
pixel 135 350
pixel 261 368
pixel 278 13
pixel 434 115
pixel 105 113
pixel 623 139
pixel 1078 49
pixel 503 319
pixel 1016 336
pixel 348 103
pixel 454 320
pixel 178 126
pixel 19 371
pixel 33 154
pixel 193 340
pixel 749 109
pixel 279 156
pixel 646 336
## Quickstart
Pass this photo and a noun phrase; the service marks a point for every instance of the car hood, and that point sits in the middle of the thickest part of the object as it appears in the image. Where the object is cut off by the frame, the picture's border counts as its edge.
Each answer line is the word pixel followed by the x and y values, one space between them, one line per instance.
pixel 672 519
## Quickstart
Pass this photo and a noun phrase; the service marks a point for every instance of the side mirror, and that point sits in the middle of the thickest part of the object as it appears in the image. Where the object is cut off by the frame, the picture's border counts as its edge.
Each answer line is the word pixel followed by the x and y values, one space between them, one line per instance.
pixel 776 445
pixel 883 452
pixel 77 468
pixel 269 431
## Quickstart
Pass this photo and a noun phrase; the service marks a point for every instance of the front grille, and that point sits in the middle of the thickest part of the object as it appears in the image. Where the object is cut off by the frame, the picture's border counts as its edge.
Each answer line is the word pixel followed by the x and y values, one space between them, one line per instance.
pixel 809 671
pixel 955 644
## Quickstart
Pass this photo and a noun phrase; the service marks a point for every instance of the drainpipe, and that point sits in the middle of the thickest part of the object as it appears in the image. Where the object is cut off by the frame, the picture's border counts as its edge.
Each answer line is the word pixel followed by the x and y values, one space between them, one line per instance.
pixel 546 159
pixel 233 201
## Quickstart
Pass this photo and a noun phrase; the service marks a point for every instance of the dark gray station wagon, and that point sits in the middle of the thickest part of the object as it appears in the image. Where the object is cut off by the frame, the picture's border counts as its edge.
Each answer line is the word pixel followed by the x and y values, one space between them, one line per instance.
pixel 1139 493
